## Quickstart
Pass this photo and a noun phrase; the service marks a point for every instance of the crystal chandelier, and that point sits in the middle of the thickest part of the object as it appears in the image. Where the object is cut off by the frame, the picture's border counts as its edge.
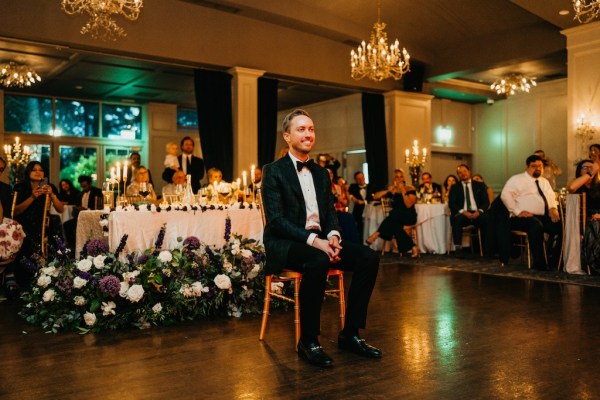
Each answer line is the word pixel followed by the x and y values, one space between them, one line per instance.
pixel 586 10
pixel 513 84
pixel 101 25
pixel 16 75
pixel 377 60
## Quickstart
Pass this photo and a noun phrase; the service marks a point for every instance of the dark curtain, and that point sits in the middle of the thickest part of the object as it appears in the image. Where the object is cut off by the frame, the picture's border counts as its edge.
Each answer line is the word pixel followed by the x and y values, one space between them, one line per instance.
pixel 215 120
pixel 267 120
pixel 373 116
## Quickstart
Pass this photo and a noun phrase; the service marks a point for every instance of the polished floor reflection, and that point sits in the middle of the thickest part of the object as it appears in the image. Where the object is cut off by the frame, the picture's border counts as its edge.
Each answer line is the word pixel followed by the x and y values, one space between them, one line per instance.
pixel 445 334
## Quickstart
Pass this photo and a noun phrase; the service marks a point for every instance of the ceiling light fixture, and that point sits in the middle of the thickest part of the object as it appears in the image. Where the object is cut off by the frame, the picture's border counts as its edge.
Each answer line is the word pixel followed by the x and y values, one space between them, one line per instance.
pixel 17 75
pixel 513 84
pixel 101 25
pixel 586 10
pixel 377 60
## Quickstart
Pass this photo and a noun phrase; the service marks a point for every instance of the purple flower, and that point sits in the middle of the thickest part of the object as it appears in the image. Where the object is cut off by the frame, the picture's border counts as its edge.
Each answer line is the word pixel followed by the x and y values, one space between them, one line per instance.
pixel 192 243
pixel 227 229
pixel 83 274
pixel 161 237
pixel 110 285
pixel 95 247
pixel 121 246
pixel 30 265
pixel 143 258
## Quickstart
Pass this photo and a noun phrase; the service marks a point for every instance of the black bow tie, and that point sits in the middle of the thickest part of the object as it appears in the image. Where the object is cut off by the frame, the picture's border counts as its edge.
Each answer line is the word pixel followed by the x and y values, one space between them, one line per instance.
pixel 308 164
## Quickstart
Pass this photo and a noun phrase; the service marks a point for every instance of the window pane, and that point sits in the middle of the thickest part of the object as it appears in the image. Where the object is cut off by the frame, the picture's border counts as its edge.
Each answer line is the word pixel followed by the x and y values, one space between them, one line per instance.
pixel 77 161
pixel 121 122
pixel 187 118
pixel 112 155
pixel 39 152
pixel 77 118
pixel 25 114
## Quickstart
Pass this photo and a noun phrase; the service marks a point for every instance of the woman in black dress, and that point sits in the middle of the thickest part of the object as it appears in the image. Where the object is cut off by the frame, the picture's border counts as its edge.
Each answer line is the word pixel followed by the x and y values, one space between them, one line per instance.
pixel 403 214
pixel 31 195
pixel 67 193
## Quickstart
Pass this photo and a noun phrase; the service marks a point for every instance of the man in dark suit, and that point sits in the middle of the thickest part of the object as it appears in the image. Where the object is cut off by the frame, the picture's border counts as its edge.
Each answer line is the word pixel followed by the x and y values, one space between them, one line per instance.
pixel 89 195
pixel 360 194
pixel 302 234
pixel 468 200
pixel 190 164
pixel 428 186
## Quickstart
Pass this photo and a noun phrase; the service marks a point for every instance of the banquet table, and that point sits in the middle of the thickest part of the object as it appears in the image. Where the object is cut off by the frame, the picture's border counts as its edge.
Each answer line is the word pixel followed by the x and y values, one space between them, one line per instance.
pixel 67 214
pixel 433 227
pixel 88 227
pixel 143 227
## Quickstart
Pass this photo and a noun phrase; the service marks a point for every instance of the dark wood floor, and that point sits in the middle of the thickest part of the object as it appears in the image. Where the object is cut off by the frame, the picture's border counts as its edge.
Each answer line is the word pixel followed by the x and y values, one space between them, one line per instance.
pixel 445 335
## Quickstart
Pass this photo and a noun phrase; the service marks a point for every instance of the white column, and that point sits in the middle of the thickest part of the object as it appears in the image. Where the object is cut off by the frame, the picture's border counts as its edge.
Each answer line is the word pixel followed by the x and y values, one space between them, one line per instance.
pixel 408 117
pixel 245 118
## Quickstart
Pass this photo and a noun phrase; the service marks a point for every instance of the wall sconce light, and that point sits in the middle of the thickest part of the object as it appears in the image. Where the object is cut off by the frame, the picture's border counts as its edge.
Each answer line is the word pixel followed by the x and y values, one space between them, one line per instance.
pixel 585 131
pixel 445 134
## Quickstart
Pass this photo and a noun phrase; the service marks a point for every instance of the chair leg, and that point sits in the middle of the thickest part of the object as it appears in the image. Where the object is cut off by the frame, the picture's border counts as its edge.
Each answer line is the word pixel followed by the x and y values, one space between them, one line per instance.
pixel 480 242
pixel 265 316
pixel 297 310
pixel 528 253
pixel 342 300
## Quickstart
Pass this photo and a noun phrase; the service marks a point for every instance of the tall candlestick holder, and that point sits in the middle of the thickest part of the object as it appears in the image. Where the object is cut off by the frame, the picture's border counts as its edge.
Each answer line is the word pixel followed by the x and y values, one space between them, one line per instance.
pixel 416 161
pixel 17 158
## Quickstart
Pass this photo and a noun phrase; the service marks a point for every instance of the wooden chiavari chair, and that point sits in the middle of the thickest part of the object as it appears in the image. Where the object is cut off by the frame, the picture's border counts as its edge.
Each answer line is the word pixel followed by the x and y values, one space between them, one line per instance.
pixel 287 276
pixel 45 225
pixel 411 230
pixel 471 232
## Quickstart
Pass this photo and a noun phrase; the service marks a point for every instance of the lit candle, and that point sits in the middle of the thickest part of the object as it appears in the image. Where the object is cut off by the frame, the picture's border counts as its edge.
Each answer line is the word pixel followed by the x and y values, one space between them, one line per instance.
pixel 407 152
pixel 125 170
pixel 112 173
pixel 239 182
pixel 244 178
pixel 252 168
pixel 118 171
pixel 424 152
pixel 17 140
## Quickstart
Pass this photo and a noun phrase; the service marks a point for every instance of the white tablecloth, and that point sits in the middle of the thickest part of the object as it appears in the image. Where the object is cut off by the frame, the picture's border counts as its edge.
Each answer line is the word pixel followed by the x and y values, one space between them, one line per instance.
pixel 433 227
pixel 66 215
pixel 372 217
pixel 143 227
pixel 572 236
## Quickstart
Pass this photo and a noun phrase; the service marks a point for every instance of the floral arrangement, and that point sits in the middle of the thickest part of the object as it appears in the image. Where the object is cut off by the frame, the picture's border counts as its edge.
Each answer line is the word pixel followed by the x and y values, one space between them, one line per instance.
pixel 11 238
pixel 104 290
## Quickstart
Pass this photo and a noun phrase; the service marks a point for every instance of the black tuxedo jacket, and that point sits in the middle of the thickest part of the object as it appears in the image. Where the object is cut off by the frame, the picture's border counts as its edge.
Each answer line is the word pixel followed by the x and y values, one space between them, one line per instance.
pixel 94 194
pixel 6 197
pixel 354 190
pixel 456 197
pixel 196 171
pixel 285 210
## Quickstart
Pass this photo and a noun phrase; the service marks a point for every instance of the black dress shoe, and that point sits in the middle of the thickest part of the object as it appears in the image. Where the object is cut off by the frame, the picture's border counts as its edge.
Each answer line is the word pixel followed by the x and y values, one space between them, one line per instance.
pixel 313 354
pixel 357 345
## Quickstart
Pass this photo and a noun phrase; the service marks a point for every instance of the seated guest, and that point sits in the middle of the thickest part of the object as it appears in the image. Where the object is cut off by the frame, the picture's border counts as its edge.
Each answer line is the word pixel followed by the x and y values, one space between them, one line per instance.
pixel 329 162
pixel 171 188
pixel 586 173
pixel 215 180
pixel 29 210
pixel 490 191
pixel 594 152
pixel 90 196
pixel 403 214
pixel 67 192
pixel 448 182
pixel 141 185
pixel 532 205
pixel 428 186
pixel 360 194
pixel 551 170
pixel 257 179
pixel 6 193
pixel 349 229
pixel 135 160
pixel 468 201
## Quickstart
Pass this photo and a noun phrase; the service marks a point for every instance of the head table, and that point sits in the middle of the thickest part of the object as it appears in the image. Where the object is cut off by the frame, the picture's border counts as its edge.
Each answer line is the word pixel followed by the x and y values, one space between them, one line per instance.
pixel 143 226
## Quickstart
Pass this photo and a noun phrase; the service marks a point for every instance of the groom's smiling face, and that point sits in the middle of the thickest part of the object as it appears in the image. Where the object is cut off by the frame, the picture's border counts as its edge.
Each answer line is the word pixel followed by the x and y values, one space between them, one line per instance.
pixel 301 135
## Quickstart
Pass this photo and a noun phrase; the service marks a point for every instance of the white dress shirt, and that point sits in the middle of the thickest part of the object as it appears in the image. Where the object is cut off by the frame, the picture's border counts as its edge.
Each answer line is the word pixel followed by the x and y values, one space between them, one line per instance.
pixel 520 193
pixel 310 200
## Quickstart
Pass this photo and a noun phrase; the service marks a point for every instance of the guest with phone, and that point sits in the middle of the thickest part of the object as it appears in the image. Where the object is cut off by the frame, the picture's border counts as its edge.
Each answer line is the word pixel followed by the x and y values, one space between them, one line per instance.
pixel 29 210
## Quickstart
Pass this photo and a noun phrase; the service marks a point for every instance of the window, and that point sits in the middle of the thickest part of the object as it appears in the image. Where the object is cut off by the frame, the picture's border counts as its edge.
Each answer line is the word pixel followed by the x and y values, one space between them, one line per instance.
pixel 77 161
pixel 123 122
pixel 77 118
pixel 26 114
pixel 187 119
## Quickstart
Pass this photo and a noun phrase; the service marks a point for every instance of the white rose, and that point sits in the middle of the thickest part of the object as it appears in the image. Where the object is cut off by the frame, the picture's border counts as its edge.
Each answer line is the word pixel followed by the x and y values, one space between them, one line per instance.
pixel 52 271
pixel 89 318
pixel 99 261
pixel 186 290
pixel 157 308
pixel 104 222
pixel 44 280
pixel 227 266
pixel 277 287
pixel 165 256
pixel 254 272
pixel 222 281
pixel 124 289
pixel 246 253
pixel 235 248
pixel 48 295
pixel 79 300
pixel 135 293
pixel 84 265
pixel 108 308
pixel 198 289
pixel 128 275
pixel 78 282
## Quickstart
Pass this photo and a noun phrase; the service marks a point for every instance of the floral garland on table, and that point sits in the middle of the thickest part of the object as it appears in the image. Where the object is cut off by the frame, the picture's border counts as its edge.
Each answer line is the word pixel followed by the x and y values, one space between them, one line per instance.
pixel 11 238
pixel 104 291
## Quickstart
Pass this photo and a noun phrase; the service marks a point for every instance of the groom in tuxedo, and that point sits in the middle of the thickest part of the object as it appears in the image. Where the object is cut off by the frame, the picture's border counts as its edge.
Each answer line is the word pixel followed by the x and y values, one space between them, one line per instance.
pixel 302 234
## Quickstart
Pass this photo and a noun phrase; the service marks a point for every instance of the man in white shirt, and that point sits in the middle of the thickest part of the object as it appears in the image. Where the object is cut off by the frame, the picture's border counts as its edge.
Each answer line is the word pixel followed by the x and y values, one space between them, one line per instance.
pixel 532 205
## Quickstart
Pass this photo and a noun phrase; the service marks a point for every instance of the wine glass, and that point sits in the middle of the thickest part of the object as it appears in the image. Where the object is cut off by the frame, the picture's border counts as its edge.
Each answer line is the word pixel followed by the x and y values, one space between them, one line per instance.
pixel 179 192
pixel 144 190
